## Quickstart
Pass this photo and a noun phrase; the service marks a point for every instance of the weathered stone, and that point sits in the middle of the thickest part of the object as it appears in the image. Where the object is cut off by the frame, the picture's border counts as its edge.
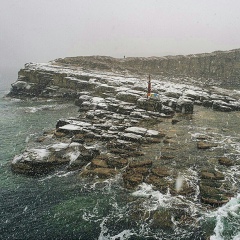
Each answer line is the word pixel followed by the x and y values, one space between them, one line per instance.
pixel 221 106
pixel 196 95
pixel 174 121
pixel 131 137
pixel 144 163
pixel 141 170
pixel 161 171
pixel 136 130
pixel 207 103
pixel 117 162
pixel 212 196
pixel 76 164
pixel 184 106
pixel 149 104
pixel 211 182
pixel 212 174
pixel 225 161
pixel 206 145
pixel 167 110
pixel 132 180
pixel 162 219
pixel 155 134
pixel 167 155
pixel 99 163
pixel 126 109
pixel 79 138
pixel 159 182
pixel 59 134
pixel 169 141
pixel 37 162
pixel 82 99
pixel 153 140
pixel 127 96
pixel 41 139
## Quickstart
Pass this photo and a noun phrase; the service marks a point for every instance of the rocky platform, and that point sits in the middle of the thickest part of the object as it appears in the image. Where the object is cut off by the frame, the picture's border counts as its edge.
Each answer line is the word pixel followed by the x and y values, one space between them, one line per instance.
pixel 112 136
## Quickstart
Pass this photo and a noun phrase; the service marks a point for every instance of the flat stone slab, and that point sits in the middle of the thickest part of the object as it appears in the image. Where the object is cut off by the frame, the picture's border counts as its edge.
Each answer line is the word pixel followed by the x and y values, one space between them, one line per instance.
pixel 130 136
pixel 136 130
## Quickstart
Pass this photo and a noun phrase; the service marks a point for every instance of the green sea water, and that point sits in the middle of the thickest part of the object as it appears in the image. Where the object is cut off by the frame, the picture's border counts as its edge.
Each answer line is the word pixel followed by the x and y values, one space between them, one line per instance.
pixel 61 205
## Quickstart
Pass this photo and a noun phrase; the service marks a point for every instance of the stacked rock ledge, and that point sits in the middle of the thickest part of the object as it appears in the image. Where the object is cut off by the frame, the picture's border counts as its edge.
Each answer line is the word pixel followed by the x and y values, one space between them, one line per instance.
pixel 107 137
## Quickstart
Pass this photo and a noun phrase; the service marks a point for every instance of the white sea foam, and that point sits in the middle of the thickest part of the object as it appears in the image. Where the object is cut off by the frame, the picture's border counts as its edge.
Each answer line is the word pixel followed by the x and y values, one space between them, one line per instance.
pixel 156 198
pixel 105 235
pixel 58 174
pixel 125 234
pixel 231 209
pixel 73 155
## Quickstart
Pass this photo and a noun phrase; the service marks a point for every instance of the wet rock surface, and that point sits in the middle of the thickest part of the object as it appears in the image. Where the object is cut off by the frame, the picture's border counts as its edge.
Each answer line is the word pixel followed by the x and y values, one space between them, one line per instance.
pixel 121 131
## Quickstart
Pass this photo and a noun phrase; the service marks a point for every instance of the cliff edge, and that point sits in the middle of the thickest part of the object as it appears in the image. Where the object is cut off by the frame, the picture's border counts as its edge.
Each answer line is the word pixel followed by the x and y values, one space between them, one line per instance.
pixel 222 66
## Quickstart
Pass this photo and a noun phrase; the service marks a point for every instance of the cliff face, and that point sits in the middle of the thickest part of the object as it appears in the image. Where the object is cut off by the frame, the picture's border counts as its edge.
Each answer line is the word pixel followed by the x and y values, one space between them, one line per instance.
pixel 66 77
pixel 223 66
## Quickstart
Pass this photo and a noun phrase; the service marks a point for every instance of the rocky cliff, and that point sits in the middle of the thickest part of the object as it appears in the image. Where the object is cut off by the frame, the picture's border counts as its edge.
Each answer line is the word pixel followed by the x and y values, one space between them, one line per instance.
pixel 111 135
pixel 222 66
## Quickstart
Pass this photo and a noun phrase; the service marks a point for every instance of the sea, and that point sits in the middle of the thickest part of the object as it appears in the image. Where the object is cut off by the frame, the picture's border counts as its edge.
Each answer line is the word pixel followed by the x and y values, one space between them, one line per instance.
pixel 61 205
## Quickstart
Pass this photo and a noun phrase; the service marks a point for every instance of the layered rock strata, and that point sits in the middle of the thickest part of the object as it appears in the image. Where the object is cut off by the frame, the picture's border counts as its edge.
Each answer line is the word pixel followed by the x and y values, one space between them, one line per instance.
pixel 221 67
pixel 57 81
pixel 110 135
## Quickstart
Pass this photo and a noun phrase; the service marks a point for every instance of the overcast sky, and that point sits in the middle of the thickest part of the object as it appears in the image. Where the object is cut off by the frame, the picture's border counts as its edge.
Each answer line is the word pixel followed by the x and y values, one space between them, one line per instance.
pixel 43 30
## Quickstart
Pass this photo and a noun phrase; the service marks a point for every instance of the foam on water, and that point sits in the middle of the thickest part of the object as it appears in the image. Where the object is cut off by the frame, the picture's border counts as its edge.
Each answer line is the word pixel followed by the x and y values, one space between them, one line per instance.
pixel 227 220
pixel 154 199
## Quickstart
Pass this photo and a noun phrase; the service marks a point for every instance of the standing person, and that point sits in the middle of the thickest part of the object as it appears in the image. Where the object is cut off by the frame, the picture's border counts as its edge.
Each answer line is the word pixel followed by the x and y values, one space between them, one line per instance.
pixel 149 86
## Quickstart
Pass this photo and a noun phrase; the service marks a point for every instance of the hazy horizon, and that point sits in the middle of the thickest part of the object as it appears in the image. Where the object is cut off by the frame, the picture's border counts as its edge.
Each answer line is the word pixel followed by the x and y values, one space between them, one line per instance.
pixel 40 31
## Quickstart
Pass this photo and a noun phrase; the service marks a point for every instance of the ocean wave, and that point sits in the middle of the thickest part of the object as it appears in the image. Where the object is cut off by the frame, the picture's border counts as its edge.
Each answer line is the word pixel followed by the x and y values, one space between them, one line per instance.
pixel 227 220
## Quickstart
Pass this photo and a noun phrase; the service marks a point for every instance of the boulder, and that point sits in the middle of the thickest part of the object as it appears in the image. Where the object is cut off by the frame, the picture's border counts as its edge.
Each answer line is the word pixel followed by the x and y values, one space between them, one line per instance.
pixel 131 180
pixel 184 105
pixel 143 163
pixel 196 95
pixel 161 171
pixel 131 137
pixel 212 174
pixel 159 183
pixel 98 163
pixel 82 99
pixel 173 93
pixel 222 106
pixel 127 97
pixel 206 145
pixel 162 219
pixel 117 162
pixel 167 110
pixel 150 104
pixel 207 103
pixel 212 195
pixel 136 130
pixel 144 171
pixel 37 162
pixel 225 161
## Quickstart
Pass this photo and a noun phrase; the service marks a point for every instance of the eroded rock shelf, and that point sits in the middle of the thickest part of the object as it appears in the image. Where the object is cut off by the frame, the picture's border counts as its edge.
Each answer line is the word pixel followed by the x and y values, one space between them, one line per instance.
pixel 118 125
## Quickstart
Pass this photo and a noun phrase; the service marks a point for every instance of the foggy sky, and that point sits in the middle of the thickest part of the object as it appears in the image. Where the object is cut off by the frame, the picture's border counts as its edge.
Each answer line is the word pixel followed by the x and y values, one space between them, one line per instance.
pixel 43 30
